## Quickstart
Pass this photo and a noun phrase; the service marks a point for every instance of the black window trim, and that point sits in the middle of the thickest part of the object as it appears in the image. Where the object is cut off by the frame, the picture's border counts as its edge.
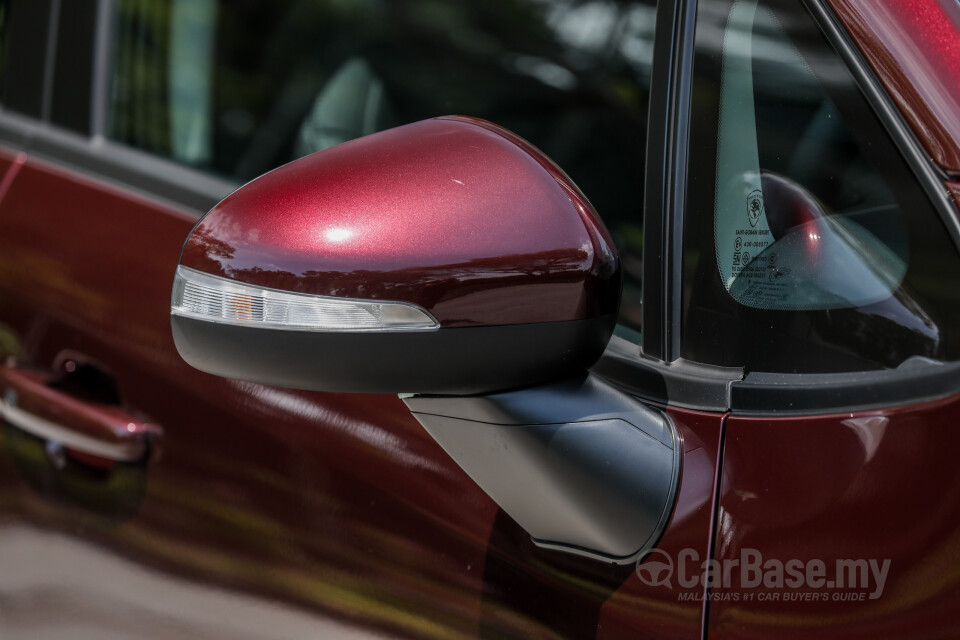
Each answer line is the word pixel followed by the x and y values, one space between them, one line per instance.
pixel 653 370
pixel 668 132
pixel 914 382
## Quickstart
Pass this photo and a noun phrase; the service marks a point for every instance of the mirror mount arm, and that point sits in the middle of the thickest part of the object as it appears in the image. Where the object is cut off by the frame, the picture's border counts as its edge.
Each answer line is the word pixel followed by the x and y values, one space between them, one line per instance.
pixel 581 466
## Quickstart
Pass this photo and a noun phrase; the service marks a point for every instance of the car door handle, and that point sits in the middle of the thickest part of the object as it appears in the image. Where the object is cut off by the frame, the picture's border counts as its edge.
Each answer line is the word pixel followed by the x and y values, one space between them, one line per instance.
pixel 30 402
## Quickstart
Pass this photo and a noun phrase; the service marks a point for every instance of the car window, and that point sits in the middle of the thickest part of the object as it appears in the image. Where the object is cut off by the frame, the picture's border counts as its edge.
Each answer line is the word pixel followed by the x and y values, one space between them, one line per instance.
pixel 236 88
pixel 809 247
pixel 4 21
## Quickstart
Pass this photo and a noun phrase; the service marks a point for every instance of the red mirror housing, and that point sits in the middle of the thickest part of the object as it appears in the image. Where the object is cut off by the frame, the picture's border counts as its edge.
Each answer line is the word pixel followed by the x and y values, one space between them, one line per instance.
pixel 445 256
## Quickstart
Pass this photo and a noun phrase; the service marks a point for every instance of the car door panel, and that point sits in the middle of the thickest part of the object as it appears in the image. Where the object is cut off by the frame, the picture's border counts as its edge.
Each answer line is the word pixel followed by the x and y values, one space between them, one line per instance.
pixel 674 609
pixel 867 486
pixel 338 506
pixel 277 513
pixel 340 503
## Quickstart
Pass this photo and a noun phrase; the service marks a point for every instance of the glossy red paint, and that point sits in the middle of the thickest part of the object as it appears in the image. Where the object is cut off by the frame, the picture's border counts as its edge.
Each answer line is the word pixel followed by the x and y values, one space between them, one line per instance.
pixel 913 47
pixel 333 505
pixel 875 485
pixel 336 505
pixel 454 214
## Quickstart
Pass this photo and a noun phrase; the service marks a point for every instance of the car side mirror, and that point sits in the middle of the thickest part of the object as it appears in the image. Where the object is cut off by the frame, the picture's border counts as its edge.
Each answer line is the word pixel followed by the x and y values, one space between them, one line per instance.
pixel 450 259
pixel 447 256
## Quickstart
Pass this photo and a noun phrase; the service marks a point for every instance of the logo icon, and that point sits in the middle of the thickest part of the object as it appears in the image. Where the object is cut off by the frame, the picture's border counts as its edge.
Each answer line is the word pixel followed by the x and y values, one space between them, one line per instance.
pixel 755 206
pixel 656 569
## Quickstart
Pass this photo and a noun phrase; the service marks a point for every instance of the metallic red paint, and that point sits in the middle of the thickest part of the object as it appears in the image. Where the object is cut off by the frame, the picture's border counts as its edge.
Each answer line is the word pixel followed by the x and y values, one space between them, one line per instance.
pixel 335 505
pixel 914 48
pixel 869 485
pixel 454 214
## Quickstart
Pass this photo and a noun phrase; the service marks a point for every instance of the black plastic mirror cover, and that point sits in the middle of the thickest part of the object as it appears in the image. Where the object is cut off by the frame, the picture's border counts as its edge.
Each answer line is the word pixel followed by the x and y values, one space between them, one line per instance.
pixel 447 256
pixel 599 471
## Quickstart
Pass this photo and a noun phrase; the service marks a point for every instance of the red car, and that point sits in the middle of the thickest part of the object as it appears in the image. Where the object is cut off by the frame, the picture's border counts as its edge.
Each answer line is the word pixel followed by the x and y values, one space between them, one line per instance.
pixel 414 383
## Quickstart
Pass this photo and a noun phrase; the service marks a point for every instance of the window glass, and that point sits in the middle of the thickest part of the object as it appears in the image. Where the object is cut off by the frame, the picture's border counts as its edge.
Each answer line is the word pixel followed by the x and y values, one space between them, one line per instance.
pixel 24 51
pixel 239 87
pixel 4 21
pixel 809 245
